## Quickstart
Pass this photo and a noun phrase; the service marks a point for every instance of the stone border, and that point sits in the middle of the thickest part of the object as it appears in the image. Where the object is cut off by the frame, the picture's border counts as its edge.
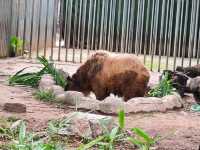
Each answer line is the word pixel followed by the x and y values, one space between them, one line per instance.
pixel 111 104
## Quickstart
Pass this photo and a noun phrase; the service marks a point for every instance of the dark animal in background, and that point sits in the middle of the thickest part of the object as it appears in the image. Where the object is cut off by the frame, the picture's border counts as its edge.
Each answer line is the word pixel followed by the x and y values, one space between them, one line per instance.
pixel 179 81
pixel 194 85
pixel 122 75
pixel 192 72
pixel 186 80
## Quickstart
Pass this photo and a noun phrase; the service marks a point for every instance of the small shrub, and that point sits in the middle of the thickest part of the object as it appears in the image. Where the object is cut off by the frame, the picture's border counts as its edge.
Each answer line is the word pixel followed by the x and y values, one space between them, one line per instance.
pixel 15 46
pixel 44 95
pixel 163 88
pixel 25 141
pixel 32 79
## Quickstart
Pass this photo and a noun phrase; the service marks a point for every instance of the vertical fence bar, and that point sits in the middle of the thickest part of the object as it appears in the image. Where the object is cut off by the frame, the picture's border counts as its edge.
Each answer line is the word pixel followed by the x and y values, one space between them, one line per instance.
pixel 66 23
pixel 46 28
pixel 196 30
pixel 123 27
pixel 155 31
pixel 106 14
pixel 138 28
pixel 102 24
pixel 24 31
pixel 161 33
pixel 170 33
pixel 60 30
pixel 198 49
pixel 181 29
pixel 74 30
pixel 83 31
pixel 39 27
pixel 128 26
pixel 31 34
pixel 142 27
pixel 185 32
pixel 89 44
pixel 18 15
pixel 152 29
pixel 69 9
pixel 191 38
pixel 93 24
pixel 97 25
pixel 118 25
pixel 53 29
pixel 166 28
pixel 112 25
pixel 147 29
pixel 177 27
pixel 79 23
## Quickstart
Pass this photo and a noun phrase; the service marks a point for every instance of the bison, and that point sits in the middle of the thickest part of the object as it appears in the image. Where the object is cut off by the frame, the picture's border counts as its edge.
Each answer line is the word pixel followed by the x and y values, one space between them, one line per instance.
pixel 123 75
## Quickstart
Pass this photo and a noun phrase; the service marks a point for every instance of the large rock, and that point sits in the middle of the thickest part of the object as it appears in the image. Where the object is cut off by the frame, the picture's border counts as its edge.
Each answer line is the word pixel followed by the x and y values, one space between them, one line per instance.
pixel 14 107
pixel 172 101
pixel 153 104
pixel 145 104
pixel 112 105
pixel 87 125
pixel 77 99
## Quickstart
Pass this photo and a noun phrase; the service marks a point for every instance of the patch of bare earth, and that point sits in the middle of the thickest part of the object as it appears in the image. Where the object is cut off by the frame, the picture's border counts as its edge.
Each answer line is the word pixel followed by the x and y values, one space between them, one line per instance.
pixel 180 128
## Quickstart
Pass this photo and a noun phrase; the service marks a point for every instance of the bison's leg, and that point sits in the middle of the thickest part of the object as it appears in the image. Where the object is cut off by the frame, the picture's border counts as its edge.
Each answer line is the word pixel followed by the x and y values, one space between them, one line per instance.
pixel 99 91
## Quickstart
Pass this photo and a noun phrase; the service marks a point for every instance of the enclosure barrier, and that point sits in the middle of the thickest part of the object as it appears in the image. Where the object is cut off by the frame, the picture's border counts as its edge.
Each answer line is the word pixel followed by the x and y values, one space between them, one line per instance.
pixel 163 33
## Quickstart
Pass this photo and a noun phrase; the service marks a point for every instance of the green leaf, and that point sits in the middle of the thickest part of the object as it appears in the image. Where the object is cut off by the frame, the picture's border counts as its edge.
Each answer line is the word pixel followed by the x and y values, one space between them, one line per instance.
pixel 91 144
pixel 135 142
pixel 143 134
pixel 113 133
pixel 22 133
pixel 121 119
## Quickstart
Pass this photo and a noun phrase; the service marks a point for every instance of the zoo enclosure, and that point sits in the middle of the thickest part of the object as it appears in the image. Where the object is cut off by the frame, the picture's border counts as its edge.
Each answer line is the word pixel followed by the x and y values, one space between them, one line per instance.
pixel 164 33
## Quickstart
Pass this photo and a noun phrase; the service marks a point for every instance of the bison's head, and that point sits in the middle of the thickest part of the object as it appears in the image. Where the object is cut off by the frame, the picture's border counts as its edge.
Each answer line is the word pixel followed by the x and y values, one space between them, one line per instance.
pixel 77 83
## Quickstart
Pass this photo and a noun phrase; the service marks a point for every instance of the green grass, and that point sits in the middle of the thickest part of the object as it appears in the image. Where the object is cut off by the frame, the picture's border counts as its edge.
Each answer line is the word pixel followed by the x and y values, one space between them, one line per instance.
pixel 163 88
pixel 46 96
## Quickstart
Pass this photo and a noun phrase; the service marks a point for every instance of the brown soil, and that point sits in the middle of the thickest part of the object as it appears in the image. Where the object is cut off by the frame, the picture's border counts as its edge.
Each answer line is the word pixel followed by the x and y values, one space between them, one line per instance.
pixel 181 128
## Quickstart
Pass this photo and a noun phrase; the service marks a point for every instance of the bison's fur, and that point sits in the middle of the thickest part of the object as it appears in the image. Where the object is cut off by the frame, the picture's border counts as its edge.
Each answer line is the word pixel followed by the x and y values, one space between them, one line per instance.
pixel 103 74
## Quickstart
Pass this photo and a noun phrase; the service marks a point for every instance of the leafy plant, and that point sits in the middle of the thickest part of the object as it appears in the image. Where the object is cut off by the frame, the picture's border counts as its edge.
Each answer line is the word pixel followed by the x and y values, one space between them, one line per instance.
pixel 15 45
pixel 163 88
pixel 44 95
pixel 32 79
pixel 142 140
pixel 28 79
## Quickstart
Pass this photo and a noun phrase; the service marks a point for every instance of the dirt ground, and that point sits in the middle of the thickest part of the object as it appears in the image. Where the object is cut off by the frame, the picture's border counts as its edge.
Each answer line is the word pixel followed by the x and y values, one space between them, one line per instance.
pixel 180 128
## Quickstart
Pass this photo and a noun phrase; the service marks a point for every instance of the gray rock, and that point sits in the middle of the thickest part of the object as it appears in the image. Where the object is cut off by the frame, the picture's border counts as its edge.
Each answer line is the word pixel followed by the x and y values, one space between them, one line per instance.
pixel 57 90
pixel 70 97
pixel 112 105
pixel 14 107
pixel 145 104
pixel 46 82
pixel 87 125
pixel 172 101
pixel 78 100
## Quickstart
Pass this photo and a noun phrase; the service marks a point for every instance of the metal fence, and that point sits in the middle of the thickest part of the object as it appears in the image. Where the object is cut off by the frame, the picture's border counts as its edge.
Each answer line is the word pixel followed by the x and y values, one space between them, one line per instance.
pixel 163 33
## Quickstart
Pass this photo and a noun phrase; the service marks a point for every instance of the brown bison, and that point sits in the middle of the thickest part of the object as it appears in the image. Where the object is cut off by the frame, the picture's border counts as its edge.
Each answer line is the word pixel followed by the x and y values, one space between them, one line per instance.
pixel 122 75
